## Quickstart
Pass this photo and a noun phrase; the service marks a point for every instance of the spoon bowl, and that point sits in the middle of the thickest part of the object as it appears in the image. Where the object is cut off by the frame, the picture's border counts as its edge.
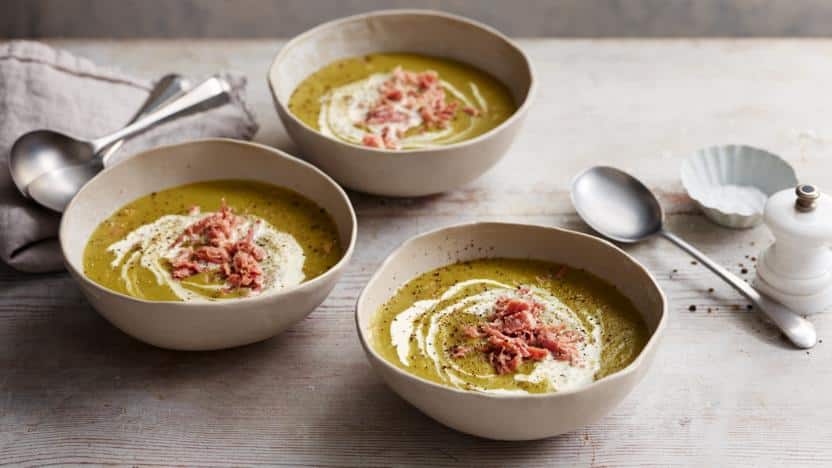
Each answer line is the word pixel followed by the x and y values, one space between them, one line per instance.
pixel 56 188
pixel 41 151
pixel 620 207
pixel 616 205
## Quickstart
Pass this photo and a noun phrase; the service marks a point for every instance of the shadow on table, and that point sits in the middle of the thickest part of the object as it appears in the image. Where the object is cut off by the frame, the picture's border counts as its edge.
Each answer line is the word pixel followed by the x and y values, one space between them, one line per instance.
pixel 389 431
pixel 60 352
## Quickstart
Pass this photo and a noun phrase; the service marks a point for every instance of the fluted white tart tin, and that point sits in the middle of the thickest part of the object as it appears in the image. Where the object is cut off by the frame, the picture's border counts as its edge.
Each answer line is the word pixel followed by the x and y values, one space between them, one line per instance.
pixel 731 183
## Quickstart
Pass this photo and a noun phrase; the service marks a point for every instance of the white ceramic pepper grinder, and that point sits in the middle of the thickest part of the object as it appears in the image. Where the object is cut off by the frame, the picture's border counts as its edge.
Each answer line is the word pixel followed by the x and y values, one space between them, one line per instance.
pixel 796 269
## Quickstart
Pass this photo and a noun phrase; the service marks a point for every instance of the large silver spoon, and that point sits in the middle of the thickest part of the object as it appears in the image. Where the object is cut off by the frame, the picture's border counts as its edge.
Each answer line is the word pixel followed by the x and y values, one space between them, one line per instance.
pixel 620 207
pixel 41 151
pixel 56 188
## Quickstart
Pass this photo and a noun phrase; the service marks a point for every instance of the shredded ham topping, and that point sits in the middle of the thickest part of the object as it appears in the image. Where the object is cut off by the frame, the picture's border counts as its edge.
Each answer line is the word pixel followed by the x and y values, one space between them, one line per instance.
pixel 415 91
pixel 209 241
pixel 460 351
pixel 515 334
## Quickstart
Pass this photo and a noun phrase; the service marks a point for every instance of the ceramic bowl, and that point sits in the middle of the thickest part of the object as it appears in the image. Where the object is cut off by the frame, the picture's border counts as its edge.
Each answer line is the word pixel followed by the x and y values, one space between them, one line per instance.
pixel 408 172
pixel 512 417
pixel 211 325
pixel 731 183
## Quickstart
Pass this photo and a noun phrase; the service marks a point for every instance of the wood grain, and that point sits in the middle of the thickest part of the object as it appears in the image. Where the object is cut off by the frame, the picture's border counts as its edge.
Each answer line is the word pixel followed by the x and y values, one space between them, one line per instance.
pixel 725 388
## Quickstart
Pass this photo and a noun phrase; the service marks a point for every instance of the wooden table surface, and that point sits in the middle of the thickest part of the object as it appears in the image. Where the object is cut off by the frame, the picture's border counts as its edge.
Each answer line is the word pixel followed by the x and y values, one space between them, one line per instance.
pixel 725 389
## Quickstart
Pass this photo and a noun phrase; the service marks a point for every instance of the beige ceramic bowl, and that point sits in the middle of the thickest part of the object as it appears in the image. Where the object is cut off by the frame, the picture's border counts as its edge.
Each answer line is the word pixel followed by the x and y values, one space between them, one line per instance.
pixel 513 417
pixel 213 325
pixel 413 172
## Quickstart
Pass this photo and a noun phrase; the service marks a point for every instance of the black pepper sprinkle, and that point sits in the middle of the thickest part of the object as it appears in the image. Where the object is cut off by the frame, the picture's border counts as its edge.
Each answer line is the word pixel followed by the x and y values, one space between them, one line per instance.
pixel 692 308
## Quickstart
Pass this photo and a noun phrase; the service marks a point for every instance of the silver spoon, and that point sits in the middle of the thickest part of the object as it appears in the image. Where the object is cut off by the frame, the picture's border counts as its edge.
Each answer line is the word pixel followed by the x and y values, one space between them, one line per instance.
pixel 56 188
pixel 620 207
pixel 41 151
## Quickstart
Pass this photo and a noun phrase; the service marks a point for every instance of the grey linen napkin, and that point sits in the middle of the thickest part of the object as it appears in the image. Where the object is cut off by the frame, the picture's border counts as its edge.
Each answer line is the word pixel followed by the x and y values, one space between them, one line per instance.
pixel 41 87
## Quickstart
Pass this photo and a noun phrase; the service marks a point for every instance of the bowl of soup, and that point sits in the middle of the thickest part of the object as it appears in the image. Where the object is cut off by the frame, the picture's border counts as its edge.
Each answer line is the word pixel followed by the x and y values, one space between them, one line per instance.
pixel 208 244
pixel 511 331
pixel 402 102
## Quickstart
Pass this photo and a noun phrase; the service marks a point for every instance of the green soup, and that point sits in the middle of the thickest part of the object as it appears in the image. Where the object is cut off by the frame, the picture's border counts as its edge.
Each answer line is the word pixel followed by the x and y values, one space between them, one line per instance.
pixel 134 250
pixel 432 316
pixel 335 99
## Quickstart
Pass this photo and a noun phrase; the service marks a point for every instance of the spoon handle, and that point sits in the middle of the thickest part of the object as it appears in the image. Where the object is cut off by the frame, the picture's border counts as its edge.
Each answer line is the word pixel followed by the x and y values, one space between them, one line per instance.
pixel 798 330
pixel 168 87
pixel 211 93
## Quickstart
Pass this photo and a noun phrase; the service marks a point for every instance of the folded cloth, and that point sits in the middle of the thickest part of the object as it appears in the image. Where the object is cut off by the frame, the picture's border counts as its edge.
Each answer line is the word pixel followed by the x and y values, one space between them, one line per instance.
pixel 41 87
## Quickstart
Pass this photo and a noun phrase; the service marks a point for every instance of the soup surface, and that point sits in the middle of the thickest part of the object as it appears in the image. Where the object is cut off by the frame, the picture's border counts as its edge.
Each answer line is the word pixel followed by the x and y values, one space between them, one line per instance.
pixel 401 101
pixel 212 240
pixel 509 326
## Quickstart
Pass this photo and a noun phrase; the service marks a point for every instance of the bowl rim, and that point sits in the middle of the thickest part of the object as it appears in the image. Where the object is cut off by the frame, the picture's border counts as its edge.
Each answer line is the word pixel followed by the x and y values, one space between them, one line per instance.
pixel 696 193
pixel 514 117
pixel 655 336
pixel 314 283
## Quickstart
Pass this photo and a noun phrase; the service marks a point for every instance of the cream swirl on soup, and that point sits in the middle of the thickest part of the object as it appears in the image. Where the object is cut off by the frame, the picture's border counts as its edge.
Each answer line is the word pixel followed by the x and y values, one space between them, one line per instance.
pixel 508 326
pixel 401 109
pixel 264 240
pixel 418 331
pixel 246 254
pixel 401 101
